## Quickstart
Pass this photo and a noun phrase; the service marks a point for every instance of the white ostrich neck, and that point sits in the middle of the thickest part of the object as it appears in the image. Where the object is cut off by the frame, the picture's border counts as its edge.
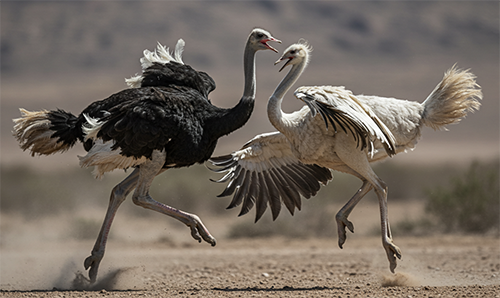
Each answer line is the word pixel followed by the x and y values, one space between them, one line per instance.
pixel 249 72
pixel 278 118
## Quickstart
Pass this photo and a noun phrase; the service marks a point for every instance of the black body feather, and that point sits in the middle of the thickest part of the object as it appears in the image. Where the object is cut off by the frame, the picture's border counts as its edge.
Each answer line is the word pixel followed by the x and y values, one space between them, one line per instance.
pixel 170 111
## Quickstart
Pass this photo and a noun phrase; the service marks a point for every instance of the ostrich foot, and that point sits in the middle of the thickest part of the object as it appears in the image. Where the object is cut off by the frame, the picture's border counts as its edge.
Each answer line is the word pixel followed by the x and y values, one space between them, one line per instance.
pixel 392 252
pixel 93 262
pixel 199 231
pixel 342 223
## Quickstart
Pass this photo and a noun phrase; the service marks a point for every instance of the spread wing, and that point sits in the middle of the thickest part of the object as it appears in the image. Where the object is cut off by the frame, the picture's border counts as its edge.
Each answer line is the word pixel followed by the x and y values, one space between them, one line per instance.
pixel 265 172
pixel 341 109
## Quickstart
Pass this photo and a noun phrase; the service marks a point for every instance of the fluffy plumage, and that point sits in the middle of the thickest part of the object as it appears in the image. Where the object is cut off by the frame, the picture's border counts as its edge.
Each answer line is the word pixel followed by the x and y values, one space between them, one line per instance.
pixel 165 120
pixel 362 129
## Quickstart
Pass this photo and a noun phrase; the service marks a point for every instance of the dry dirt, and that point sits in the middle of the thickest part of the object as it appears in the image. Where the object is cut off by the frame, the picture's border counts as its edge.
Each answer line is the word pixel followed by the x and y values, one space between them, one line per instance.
pixel 45 264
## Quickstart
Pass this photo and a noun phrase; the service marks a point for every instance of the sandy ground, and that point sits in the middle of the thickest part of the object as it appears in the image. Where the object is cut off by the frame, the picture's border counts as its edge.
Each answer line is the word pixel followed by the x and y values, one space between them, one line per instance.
pixel 449 266
pixel 38 260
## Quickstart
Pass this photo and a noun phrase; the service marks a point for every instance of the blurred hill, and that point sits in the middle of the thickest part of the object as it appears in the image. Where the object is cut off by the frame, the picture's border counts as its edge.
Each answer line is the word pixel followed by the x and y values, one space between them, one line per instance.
pixel 69 54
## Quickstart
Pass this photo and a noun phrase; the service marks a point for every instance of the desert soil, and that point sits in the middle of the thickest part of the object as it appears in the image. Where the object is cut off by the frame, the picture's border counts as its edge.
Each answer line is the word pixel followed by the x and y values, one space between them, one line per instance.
pixel 437 266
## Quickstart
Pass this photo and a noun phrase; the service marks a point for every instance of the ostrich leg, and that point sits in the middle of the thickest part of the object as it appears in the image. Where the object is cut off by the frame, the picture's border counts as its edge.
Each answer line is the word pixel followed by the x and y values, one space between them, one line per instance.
pixel 341 217
pixel 359 166
pixel 141 197
pixel 345 211
pixel 391 249
pixel 118 195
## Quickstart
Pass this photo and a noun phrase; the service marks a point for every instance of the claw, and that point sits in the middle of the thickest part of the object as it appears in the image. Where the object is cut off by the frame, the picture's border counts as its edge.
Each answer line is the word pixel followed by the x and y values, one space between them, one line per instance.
pixel 92 262
pixel 392 266
pixel 194 234
pixel 211 240
pixel 199 231
pixel 208 238
pixel 342 223
pixel 392 252
pixel 349 225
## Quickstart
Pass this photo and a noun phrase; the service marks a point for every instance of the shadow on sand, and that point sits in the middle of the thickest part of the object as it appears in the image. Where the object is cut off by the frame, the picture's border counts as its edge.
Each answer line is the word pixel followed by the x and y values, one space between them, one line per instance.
pixel 273 289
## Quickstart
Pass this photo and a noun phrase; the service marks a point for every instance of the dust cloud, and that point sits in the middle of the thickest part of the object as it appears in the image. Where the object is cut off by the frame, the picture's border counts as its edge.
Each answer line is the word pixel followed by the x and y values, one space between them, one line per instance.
pixel 399 280
pixel 43 276
pixel 114 280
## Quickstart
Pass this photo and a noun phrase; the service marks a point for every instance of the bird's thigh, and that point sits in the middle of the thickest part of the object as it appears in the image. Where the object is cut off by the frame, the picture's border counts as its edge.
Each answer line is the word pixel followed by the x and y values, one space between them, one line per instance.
pixel 352 156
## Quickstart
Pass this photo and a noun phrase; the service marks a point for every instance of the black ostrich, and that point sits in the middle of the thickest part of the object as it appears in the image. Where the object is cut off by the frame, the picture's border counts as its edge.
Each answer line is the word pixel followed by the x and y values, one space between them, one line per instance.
pixel 166 121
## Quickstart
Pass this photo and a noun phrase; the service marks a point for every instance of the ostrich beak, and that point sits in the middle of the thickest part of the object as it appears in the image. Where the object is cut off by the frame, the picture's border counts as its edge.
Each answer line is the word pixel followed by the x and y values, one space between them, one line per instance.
pixel 265 42
pixel 284 65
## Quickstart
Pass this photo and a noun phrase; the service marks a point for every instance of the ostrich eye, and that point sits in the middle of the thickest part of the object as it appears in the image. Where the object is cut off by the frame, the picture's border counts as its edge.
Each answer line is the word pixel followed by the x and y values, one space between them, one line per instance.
pixel 293 52
pixel 260 35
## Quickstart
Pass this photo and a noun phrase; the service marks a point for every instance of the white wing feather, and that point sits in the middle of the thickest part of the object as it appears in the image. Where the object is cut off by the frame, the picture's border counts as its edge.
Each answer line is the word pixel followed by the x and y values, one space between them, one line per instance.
pixel 265 171
pixel 338 105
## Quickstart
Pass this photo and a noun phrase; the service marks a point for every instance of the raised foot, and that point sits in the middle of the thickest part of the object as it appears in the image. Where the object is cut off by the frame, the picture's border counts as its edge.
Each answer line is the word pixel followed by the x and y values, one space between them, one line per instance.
pixel 342 223
pixel 392 252
pixel 199 231
pixel 93 262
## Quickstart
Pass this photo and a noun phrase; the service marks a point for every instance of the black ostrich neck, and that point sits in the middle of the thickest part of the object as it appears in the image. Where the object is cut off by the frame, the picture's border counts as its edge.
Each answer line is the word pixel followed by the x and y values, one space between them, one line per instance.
pixel 236 117
pixel 232 119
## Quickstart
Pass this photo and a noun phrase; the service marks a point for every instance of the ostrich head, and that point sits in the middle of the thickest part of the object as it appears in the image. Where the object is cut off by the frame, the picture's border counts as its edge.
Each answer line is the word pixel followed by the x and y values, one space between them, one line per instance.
pixel 296 54
pixel 259 39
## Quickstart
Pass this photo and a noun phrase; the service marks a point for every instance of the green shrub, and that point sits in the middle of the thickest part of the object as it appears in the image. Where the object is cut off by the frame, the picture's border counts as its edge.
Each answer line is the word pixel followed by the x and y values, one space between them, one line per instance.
pixel 471 202
pixel 411 227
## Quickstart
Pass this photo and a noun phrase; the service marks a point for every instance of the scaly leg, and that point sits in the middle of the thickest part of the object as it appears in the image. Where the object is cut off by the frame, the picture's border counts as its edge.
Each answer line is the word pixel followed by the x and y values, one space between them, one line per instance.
pixel 118 195
pixel 343 214
pixel 391 249
pixel 141 197
pixel 358 162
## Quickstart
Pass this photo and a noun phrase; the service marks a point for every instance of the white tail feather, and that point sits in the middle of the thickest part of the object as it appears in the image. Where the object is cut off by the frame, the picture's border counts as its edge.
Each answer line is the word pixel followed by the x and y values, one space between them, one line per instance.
pixel 33 133
pixel 456 94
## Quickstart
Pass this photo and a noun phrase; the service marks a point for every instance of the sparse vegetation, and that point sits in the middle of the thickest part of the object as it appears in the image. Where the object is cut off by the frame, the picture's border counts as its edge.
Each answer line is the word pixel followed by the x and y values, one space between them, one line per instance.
pixel 317 217
pixel 30 192
pixel 470 203
pixel 408 227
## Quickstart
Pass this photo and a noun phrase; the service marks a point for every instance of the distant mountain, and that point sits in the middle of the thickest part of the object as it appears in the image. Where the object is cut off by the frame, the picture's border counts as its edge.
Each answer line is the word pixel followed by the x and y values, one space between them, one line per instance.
pixel 38 35
pixel 70 53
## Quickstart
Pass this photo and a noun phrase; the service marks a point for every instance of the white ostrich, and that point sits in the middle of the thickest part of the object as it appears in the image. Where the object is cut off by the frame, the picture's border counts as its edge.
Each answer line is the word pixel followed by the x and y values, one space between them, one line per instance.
pixel 283 166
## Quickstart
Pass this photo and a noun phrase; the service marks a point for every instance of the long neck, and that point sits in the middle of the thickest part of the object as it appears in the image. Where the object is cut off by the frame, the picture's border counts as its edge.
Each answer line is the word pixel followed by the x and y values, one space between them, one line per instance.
pixel 279 119
pixel 236 117
pixel 249 72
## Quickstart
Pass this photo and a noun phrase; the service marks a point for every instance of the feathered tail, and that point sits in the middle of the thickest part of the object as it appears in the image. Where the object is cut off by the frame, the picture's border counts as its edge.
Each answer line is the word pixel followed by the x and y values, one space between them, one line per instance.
pixel 47 132
pixel 456 94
